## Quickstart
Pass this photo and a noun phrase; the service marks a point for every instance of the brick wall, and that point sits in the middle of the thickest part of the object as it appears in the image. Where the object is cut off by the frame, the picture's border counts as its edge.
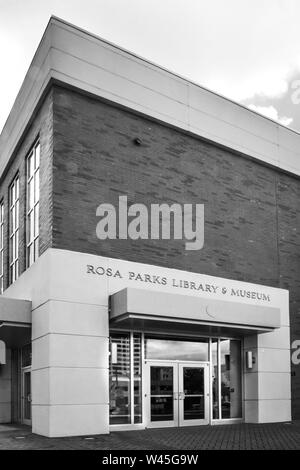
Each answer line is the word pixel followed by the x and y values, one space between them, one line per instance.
pixel 42 127
pixel 251 211
pixel 96 160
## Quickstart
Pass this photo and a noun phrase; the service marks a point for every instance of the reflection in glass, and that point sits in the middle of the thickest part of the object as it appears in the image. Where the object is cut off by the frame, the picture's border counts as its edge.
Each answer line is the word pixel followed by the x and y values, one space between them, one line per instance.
pixel 26 355
pixel 161 393
pixel 162 409
pixel 215 381
pixel 27 395
pixel 231 382
pixel 137 373
pixel 193 388
pixel 177 350
pixel 161 380
pixel 119 379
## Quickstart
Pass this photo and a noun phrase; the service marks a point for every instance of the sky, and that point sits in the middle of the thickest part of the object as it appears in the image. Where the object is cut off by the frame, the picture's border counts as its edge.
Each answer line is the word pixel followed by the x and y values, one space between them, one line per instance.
pixel 246 50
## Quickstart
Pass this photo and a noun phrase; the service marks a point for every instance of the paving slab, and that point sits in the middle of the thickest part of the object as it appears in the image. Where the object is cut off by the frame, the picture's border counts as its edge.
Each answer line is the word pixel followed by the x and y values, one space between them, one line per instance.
pixel 281 436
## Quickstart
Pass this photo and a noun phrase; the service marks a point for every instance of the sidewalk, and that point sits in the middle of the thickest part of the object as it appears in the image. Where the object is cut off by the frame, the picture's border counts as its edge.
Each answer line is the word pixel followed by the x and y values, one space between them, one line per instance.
pixel 237 436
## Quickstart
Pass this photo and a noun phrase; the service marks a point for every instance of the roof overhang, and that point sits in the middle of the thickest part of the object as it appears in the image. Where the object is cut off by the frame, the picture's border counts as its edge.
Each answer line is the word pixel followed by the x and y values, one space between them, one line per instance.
pixel 15 322
pixel 175 313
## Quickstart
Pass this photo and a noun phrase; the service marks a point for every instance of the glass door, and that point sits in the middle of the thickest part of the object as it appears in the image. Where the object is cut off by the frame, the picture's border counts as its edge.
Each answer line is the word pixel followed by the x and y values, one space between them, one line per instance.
pixel 26 396
pixel 162 394
pixel 177 394
pixel 193 394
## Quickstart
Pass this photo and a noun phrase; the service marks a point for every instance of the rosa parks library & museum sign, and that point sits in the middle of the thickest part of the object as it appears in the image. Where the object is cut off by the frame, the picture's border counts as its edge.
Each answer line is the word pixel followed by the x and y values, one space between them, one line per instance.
pixel 179 284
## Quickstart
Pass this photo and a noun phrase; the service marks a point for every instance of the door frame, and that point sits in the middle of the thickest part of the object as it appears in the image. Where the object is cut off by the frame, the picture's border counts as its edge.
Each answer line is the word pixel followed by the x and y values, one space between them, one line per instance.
pixel 25 370
pixel 193 422
pixel 160 424
pixel 178 421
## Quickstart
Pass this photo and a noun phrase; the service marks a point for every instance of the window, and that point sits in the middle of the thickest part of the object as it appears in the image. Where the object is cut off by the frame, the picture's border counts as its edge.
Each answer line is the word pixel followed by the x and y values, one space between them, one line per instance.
pixel 226 378
pixel 33 197
pixel 1 246
pixel 125 378
pixel 159 348
pixel 14 230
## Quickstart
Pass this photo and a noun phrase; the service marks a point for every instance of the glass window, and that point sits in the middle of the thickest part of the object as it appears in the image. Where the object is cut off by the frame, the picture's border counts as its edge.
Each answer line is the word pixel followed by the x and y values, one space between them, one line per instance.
pixel 162 393
pixel 33 196
pixel 137 377
pixel 177 350
pixel 215 378
pixel 14 230
pixel 125 378
pixel 1 247
pixel 119 379
pixel 26 355
pixel 231 380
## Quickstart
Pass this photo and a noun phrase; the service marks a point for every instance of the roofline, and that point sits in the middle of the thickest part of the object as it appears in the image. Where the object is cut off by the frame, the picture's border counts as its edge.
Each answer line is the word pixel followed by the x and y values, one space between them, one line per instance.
pixel 156 65
pixel 81 59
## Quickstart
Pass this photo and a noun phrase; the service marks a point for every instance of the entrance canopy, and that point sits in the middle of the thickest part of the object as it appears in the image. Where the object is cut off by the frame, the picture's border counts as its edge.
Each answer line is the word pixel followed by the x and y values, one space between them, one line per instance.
pixel 159 311
pixel 15 322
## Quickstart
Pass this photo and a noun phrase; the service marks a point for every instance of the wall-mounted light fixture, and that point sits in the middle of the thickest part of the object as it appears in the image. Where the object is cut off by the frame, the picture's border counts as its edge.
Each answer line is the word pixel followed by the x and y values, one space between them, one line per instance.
pixel 2 353
pixel 250 359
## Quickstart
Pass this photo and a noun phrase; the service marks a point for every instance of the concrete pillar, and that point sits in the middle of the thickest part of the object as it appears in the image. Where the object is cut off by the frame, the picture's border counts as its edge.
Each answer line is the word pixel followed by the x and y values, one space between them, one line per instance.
pixel 70 369
pixel 267 386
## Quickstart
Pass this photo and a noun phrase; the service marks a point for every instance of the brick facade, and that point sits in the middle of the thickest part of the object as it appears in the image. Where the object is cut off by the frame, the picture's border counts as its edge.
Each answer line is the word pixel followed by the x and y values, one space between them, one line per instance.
pixel 41 128
pixel 252 219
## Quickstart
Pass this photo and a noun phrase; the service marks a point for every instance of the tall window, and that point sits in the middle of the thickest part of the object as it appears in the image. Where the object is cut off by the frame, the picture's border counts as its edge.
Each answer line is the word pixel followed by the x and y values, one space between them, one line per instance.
pixel 1 245
pixel 125 378
pixel 14 230
pixel 33 197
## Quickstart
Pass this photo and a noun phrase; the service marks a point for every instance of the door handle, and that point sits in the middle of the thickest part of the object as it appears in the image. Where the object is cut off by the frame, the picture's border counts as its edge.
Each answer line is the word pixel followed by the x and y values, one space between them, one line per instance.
pixel 175 396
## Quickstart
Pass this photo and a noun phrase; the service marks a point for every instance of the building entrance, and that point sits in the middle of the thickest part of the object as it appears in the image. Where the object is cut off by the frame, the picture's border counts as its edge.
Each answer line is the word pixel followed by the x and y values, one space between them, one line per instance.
pixel 177 393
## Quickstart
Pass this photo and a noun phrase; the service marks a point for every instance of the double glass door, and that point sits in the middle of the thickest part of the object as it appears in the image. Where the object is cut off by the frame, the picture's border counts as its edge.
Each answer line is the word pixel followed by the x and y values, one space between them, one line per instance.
pixel 177 393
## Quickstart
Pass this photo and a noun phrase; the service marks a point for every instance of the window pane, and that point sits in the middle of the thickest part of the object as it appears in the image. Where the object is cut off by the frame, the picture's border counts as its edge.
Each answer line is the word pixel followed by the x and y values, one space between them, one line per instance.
pixel 16 244
pixel 26 355
pixel 17 215
pixel 36 248
pixel 30 227
pixel 30 166
pixel 215 378
pixel 17 188
pixel 162 391
pixel 31 194
pixel 177 350
pixel 137 372
pixel 119 379
pixel 36 221
pixel 36 186
pixel 13 220
pixel 231 381
pixel 37 156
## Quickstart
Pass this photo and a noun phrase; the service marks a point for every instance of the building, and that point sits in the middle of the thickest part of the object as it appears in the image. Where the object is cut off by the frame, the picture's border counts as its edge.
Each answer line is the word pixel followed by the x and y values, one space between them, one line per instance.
pixel 98 335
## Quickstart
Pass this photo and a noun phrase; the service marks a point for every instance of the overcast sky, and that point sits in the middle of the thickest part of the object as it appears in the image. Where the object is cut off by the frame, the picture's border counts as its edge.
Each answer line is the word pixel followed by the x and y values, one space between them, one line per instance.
pixel 247 50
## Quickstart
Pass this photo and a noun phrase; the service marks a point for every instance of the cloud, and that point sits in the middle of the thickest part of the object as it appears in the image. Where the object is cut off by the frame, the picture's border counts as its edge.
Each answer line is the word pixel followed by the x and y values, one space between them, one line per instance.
pixel 272 113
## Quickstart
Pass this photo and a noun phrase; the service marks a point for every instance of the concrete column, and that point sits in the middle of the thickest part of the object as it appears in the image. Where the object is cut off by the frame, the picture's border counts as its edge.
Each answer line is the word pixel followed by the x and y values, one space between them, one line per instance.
pixel 268 384
pixel 70 369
